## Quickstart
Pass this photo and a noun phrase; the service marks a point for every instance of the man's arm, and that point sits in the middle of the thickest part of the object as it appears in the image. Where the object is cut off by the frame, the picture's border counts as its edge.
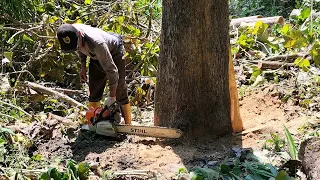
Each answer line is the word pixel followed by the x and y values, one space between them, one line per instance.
pixel 105 59
pixel 83 72
pixel 82 57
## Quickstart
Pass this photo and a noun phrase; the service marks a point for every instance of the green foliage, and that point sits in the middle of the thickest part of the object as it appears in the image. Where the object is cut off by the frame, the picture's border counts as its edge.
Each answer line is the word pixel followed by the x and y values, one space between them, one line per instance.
pixel 246 170
pixel 242 8
pixel 73 172
pixel 13 150
pixel 18 10
pixel 37 50
pixel 275 143
pixel 293 151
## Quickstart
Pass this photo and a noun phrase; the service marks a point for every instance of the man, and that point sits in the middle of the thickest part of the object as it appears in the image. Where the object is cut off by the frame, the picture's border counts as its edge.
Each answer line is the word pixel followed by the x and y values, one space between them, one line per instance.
pixel 106 53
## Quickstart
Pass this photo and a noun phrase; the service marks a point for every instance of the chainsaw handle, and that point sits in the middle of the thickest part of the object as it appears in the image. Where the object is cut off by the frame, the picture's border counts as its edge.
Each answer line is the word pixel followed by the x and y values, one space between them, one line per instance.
pixel 106 107
pixel 95 121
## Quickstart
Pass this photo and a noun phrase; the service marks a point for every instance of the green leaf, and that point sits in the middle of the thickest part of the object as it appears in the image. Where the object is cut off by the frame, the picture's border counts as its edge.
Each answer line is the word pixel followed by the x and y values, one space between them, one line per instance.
pixel 302 63
pixel 291 145
pixel 2 140
pixel 236 170
pixel 317 80
pixel 72 169
pixel 206 173
pixel 84 171
pixel 27 38
pixel 2 130
pixel 8 55
pixel 36 157
pixel 225 169
pixel 87 2
pixel 55 174
pixel 260 29
pixel 305 13
pixel 282 175
pixel 285 29
pixel 272 169
pixel 182 170
pixel 45 176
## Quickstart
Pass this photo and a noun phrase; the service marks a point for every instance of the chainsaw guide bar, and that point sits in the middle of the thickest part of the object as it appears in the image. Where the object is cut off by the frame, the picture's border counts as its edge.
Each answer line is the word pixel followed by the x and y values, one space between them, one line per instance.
pixel 151 131
pixel 106 121
pixel 108 129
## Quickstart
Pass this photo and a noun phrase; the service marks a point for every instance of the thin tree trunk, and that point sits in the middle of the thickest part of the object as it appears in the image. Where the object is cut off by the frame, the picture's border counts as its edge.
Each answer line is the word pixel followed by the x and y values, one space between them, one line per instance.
pixel 192 91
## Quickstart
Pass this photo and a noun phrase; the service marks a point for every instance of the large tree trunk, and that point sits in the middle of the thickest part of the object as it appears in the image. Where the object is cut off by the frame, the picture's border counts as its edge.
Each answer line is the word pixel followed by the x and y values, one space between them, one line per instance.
pixel 192 91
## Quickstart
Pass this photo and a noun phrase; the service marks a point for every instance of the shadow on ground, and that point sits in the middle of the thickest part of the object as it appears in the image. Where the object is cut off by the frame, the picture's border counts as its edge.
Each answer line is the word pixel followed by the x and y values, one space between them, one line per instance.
pixel 88 146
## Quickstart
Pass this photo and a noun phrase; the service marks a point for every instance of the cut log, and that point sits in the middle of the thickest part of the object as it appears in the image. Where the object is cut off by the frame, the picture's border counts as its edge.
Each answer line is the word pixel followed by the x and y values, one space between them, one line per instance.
pixel 251 22
pixel 236 120
pixel 236 22
pixel 42 89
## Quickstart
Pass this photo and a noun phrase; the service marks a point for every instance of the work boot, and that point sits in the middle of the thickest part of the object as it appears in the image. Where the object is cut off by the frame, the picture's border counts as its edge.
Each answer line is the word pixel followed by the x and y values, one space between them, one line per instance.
pixel 126 110
pixel 93 105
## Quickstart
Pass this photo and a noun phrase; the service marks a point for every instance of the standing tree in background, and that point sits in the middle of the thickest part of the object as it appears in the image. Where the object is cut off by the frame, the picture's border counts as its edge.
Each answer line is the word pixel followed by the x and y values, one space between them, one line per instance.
pixel 192 91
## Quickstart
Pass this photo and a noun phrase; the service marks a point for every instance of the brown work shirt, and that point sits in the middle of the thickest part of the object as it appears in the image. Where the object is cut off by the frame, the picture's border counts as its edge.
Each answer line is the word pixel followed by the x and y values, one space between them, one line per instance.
pixel 100 45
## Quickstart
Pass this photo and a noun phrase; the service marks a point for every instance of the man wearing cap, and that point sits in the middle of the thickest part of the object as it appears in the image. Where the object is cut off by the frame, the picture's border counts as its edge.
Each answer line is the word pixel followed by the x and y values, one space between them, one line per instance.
pixel 106 53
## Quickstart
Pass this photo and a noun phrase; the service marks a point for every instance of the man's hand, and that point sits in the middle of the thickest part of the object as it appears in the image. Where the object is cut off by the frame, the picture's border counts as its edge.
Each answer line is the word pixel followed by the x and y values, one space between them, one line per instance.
pixel 83 73
pixel 109 101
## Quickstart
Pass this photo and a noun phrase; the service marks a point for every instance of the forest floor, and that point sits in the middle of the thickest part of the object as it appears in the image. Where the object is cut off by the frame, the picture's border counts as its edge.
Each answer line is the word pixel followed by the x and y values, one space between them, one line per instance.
pixel 261 110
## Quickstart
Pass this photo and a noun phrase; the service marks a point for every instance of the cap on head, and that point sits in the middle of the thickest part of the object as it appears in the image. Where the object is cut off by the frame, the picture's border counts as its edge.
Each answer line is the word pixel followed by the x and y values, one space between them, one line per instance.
pixel 68 37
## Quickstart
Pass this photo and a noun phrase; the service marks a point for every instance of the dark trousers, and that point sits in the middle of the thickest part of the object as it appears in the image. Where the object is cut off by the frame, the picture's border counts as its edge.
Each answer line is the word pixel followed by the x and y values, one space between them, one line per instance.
pixel 98 79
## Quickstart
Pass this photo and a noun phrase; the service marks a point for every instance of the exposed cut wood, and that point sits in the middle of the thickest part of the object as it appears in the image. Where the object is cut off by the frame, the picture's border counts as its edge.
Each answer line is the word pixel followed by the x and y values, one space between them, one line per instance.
pixel 51 92
pixel 236 120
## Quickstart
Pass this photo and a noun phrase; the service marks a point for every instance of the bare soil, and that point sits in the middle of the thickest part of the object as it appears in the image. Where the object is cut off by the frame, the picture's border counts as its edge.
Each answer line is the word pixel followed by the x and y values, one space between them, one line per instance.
pixel 262 113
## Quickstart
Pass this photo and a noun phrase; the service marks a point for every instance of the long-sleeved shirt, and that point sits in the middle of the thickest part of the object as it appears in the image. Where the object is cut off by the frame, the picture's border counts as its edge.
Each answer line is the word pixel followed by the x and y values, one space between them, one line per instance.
pixel 100 45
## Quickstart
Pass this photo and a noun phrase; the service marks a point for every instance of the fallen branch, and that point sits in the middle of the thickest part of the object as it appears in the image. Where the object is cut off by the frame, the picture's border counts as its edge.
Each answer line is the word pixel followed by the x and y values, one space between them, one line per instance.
pixel 42 89
pixel 8 116
pixel 18 72
pixel 16 107
pixel 272 64
pixel 60 119
pixel 68 91
pixel 136 172
pixel 288 57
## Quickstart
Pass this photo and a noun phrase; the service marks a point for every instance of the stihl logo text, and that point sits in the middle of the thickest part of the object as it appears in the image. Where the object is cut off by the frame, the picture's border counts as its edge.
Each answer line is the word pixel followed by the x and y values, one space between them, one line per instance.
pixel 133 130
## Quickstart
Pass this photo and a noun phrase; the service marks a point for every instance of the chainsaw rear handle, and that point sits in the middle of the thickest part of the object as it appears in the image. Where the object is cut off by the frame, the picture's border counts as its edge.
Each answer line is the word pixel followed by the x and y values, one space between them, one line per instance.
pixel 112 110
pixel 99 118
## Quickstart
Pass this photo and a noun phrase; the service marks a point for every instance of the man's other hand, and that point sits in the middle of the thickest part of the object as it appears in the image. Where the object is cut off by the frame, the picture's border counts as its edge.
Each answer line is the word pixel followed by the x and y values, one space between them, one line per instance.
pixel 83 75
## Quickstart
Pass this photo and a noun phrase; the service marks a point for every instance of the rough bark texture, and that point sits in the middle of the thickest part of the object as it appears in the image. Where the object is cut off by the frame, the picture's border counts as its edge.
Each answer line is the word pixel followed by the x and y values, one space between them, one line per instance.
pixel 309 154
pixel 192 91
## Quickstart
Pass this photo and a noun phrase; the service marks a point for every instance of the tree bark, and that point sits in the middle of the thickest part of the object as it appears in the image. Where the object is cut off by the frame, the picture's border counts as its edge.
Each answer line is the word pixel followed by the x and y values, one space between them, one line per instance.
pixel 192 91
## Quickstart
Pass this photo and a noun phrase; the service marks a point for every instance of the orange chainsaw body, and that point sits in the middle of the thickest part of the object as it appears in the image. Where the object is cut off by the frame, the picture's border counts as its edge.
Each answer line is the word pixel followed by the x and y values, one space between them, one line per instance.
pixel 95 112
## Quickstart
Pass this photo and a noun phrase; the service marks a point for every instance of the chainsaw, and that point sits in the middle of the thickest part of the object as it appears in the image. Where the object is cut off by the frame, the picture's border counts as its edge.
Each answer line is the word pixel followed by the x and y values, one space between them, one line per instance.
pixel 106 121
